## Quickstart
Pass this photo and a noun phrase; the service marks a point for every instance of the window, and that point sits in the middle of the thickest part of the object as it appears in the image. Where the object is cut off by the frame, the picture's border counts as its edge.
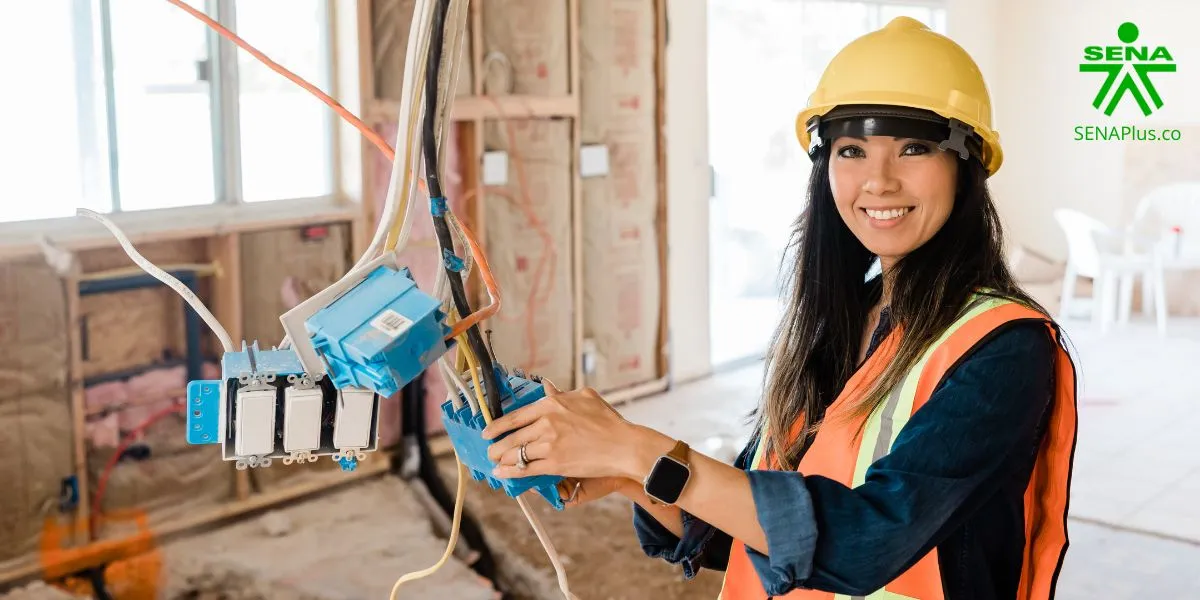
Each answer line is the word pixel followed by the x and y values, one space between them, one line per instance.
pixel 765 58
pixel 138 105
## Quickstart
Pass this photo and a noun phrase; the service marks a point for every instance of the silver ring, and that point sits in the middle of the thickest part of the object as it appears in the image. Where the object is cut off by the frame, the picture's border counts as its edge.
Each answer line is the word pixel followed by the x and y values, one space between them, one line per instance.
pixel 522 460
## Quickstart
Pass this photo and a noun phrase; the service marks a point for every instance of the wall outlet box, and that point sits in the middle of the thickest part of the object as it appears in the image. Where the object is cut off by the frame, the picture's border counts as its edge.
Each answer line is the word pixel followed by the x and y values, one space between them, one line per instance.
pixel 593 160
pixel 495 168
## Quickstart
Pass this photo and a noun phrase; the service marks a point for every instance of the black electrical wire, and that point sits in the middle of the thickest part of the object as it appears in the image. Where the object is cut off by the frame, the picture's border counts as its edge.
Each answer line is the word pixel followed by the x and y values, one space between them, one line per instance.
pixel 414 398
pixel 414 436
pixel 491 386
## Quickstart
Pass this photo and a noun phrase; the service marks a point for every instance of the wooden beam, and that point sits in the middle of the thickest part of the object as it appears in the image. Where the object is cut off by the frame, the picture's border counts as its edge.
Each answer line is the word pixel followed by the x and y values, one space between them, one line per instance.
pixel 472 152
pixel 364 226
pixel 575 48
pixel 83 511
pixel 475 108
pixel 19 239
pixel 226 252
pixel 660 221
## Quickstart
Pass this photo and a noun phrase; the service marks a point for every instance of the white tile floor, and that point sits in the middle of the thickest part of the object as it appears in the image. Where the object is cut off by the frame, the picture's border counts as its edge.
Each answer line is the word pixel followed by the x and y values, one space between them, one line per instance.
pixel 1137 462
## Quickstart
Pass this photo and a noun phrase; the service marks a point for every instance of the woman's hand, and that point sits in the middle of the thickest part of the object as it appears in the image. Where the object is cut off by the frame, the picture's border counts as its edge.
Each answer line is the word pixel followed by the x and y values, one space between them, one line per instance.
pixel 573 434
pixel 577 492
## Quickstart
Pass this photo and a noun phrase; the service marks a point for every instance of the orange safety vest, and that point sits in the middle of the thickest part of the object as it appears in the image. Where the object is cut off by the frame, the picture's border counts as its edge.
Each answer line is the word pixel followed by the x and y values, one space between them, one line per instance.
pixel 838 455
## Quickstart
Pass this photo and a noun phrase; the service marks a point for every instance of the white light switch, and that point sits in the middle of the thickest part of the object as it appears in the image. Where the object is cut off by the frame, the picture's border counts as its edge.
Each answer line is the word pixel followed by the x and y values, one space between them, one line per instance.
pixel 593 160
pixel 352 425
pixel 495 168
pixel 301 419
pixel 255 435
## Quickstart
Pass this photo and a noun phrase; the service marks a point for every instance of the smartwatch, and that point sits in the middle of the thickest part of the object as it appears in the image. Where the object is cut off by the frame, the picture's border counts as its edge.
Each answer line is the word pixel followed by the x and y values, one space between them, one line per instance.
pixel 669 476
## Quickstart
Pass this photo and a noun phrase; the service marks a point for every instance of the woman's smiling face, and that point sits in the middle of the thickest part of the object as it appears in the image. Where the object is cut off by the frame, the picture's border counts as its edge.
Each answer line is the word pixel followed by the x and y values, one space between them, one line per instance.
pixel 893 193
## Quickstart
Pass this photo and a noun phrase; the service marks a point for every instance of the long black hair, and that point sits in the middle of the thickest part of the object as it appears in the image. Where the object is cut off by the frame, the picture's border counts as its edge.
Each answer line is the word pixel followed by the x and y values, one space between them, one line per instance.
pixel 815 348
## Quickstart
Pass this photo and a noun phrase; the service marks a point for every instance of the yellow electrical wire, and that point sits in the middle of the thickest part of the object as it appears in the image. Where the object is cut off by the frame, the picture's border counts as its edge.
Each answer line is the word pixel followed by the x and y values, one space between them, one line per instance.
pixel 464 354
pixel 457 521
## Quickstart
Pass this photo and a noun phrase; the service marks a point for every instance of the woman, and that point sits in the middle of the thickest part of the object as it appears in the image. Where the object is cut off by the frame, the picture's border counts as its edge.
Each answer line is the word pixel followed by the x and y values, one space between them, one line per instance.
pixel 916 433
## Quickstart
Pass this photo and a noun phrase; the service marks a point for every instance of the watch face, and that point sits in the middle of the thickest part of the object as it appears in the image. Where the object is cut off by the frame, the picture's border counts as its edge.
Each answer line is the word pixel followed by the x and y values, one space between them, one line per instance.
pixel 667 479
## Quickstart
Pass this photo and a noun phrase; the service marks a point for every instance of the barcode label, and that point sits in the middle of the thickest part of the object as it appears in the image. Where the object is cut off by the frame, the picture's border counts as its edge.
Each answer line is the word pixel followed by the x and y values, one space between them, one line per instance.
pixel 391 323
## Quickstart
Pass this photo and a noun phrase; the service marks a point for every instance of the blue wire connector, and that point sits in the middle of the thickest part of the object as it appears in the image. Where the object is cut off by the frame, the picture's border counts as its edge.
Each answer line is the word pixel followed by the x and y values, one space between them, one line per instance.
pixel 465 431
pixel 381 334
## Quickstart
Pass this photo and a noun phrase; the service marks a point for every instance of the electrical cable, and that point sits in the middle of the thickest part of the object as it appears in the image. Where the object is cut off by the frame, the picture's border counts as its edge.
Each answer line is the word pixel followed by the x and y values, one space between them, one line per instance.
pixel 397 224
pixel 491 385
pixel 188 295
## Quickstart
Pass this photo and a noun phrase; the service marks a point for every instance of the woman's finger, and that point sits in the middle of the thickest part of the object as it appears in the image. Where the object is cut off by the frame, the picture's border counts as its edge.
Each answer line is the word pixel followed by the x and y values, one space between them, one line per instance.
pixel 513 442
pixel 534 451
pixel 513 420
pixel 545 466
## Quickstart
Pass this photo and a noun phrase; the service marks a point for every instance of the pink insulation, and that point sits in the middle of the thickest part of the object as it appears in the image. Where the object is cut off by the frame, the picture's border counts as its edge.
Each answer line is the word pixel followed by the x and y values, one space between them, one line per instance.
pixel 120 406
pixel 421 257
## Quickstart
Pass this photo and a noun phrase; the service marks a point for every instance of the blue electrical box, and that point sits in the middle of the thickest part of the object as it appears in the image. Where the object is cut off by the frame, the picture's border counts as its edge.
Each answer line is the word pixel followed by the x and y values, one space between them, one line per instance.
pixel 465 431
pixel 381 334
pixel 204 412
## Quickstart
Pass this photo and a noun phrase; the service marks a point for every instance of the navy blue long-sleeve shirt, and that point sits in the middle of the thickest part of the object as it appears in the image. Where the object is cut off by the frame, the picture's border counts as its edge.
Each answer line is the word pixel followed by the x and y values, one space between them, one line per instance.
pixel 955 479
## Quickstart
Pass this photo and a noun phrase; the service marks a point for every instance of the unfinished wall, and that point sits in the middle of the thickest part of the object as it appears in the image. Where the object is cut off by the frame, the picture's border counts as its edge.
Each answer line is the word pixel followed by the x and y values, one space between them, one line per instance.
pixel 390 21
pixel 620 242
pixel 529 247
pixel 525 47
pixel 35 415
pixel 283 267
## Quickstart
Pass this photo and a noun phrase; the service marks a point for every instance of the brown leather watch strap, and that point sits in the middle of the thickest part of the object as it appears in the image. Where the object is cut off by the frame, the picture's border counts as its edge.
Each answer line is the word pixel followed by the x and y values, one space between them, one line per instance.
pixel 680 452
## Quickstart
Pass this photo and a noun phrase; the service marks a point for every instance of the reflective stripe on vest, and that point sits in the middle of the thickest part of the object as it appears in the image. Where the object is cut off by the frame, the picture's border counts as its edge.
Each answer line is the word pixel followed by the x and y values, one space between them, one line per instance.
pixel 836 453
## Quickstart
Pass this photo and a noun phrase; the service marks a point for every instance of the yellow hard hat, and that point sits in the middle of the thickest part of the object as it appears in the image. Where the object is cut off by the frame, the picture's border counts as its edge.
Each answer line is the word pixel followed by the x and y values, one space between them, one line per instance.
pixel 906 65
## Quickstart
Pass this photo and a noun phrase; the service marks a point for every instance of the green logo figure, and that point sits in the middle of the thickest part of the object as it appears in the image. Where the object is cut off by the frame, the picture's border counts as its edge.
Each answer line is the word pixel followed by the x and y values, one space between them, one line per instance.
pixel 1115 60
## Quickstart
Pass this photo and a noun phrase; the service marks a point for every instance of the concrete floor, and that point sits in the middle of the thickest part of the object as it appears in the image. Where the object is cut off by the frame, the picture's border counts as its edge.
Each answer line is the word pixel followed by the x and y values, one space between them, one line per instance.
pixel 1135 502
pixel 1135 524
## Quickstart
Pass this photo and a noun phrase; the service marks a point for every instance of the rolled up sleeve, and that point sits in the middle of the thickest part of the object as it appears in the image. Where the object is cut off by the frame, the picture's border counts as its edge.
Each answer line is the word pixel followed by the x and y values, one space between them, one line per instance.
pixel 687 551
pixel 785 512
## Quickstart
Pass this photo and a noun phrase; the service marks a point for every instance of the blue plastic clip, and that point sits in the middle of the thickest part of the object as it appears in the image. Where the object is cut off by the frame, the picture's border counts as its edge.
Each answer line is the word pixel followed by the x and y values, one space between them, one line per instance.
pixel 453 262
pixel 438 206
pixel 203 412
pixel 348 463
pixel 465 431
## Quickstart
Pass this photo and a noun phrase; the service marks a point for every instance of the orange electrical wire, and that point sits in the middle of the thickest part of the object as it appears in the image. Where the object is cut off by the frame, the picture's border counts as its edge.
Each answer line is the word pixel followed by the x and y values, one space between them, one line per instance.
pixel 489 280
pixel 374 138
pixel 367 132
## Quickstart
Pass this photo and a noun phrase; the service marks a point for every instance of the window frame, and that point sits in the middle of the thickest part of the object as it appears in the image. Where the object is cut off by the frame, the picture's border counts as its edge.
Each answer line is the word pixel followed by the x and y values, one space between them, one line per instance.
pixel 342 70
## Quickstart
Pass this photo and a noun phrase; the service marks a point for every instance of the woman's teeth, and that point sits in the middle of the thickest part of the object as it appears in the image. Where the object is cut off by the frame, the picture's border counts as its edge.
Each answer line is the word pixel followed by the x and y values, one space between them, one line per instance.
pixel 887 215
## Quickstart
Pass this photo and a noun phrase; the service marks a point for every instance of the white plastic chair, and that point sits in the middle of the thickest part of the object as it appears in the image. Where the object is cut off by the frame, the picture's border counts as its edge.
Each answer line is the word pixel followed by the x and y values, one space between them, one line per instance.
pixel 1110 259
pixel 1165 208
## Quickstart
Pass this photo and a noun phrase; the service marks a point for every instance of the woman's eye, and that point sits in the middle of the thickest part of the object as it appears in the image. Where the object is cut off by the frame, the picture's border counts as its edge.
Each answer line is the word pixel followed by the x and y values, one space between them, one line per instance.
pixel 850 152
pixel 914 149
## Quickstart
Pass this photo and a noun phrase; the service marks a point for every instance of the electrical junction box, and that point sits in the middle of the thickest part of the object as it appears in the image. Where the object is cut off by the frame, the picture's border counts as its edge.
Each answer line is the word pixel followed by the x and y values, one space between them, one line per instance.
pixel 465 429
pixel 593 160
pixel 381 334
pixel 495 168
pixel 266 407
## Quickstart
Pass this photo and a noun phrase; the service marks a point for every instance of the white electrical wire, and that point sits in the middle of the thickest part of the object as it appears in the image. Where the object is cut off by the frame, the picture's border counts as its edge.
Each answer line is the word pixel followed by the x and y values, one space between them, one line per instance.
pixel 543 537
pixel 188 295
pixel 452 381
pixel 407 120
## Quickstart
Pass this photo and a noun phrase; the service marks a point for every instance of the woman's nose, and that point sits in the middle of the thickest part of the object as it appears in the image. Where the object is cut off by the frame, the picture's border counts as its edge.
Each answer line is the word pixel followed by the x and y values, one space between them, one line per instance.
pixel 880 179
